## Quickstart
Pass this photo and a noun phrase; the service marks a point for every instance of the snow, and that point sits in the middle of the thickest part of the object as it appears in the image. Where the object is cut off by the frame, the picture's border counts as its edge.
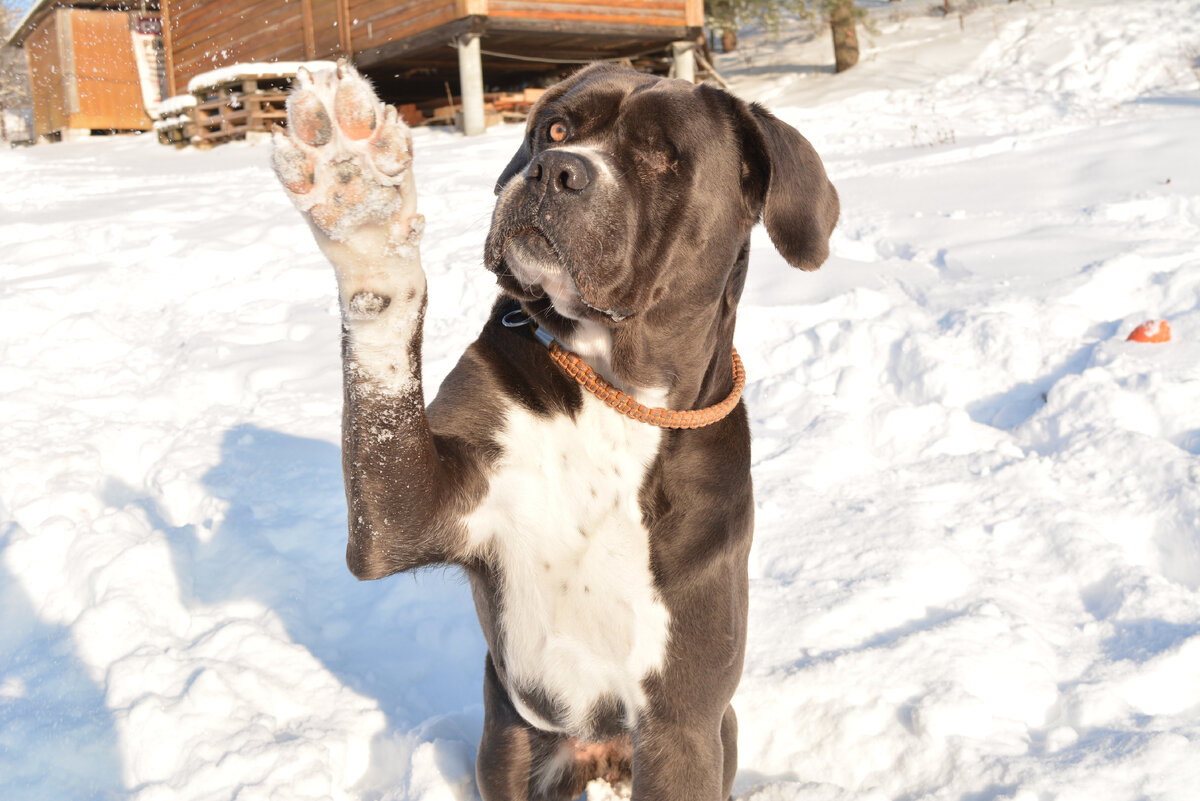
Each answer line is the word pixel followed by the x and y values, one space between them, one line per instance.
pixel 253 69
pixel 977 563
pixel 175 105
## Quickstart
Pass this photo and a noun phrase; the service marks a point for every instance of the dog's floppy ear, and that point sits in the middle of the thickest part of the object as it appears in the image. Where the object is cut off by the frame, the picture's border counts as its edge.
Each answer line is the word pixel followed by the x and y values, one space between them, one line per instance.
pixel 784 173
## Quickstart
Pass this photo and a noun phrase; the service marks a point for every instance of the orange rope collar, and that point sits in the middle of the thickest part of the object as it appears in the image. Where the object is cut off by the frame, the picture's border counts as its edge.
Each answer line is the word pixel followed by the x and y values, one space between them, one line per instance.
pixel 614 398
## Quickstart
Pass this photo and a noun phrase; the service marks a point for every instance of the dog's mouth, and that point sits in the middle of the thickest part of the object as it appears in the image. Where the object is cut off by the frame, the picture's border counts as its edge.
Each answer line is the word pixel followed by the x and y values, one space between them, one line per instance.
pixel 539 271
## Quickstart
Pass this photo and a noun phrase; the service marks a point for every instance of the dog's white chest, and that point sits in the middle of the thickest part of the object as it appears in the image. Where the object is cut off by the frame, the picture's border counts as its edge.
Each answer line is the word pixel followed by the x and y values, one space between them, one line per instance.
pixel 582 622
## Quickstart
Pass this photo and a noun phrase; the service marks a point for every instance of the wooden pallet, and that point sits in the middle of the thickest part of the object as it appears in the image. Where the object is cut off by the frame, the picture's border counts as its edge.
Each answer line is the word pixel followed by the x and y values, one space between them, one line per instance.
pixel 497 107
pixel 235 108
pixel 239 107
pixel 173 121
pixel 178 133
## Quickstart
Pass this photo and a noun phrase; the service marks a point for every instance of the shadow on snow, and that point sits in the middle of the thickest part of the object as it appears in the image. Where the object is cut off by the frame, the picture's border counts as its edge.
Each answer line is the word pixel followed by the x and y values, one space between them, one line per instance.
pixel 410 641
pixel 57 738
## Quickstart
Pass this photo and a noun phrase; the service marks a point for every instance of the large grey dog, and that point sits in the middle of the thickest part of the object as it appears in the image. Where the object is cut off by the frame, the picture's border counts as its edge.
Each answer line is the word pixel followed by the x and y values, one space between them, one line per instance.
pixel 606 555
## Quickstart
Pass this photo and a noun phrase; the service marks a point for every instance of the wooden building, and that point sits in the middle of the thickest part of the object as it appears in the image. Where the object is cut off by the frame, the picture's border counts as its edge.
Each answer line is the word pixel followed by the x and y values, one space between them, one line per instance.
pixel 413 48
pixel 92 65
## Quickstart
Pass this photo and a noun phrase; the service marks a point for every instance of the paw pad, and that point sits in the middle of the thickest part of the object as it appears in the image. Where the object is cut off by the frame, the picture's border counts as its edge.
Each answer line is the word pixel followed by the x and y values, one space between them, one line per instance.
pixel 367 305
pixel 354 107
pixel 309 119
pixel 345 157
pixel 295 168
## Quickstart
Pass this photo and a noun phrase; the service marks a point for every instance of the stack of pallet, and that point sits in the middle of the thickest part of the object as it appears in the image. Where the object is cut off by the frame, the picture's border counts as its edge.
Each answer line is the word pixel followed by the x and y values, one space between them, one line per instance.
pixel 173 120
pixel 230 103
pixel 239 100
pixel 513 106
pixel 497 107
pixel 247 99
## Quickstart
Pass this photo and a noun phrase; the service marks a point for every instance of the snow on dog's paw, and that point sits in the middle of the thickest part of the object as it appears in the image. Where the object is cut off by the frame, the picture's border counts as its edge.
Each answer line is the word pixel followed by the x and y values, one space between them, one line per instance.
pixel 345 161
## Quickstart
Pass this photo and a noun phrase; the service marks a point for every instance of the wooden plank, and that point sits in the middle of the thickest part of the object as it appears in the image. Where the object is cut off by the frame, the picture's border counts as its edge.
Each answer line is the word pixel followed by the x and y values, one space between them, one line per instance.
pixel 382 12
pixel 563 13
pixel 202 18
pixel 380 22
pixel 45 78
pixel 241 40
pixel 327 32
pixel 280 20
pixel 600 8
pixel 168 54
pixel 468 8
pixel 194 13
pixel 344 26
pixel 245 33
pixel 409 113
pixel 611 37
pixel 649 6
pixel 306 22
pixel 418 45
pixel 66 63
pixel 549 38
pixel 397 27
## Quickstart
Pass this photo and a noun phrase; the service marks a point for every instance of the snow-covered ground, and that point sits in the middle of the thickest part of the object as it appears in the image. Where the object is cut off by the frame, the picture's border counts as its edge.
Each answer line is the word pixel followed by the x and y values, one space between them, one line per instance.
pixel 977 563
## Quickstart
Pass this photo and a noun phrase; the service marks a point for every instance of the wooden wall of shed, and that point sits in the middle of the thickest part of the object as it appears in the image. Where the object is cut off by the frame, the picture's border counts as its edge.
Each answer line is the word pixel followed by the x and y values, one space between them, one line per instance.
pixel 378 22
pixel 46 78
pixel 206 34
pixel 330 28
pixel 106 83
pixel 625 12
pixel 201 35
pixel 82 73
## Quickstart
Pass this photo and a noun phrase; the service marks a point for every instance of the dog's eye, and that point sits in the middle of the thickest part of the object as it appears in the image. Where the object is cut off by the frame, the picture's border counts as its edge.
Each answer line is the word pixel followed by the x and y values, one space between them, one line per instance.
pixel 557 131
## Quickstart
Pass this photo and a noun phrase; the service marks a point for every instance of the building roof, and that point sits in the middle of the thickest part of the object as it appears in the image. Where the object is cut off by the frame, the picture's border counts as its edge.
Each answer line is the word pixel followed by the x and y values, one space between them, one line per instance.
pixel 40 9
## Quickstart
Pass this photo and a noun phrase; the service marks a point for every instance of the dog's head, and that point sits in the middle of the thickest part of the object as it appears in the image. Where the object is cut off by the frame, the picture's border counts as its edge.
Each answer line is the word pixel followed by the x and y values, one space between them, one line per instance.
pixel 633 197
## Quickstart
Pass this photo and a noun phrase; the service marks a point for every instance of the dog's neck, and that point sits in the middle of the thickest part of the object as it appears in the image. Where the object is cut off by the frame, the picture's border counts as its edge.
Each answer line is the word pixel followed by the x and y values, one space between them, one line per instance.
pixel 692 357
pixel 675 356
pixel 593 342
pixel 685 347
pixel 681 367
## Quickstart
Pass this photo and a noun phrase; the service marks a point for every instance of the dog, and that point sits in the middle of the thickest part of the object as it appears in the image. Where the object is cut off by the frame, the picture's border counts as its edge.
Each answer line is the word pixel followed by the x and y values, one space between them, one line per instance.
pixel 606 549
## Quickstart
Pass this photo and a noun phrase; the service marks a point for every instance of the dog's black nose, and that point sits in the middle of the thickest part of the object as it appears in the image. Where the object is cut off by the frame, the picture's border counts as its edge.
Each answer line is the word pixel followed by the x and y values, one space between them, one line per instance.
pixel 559 170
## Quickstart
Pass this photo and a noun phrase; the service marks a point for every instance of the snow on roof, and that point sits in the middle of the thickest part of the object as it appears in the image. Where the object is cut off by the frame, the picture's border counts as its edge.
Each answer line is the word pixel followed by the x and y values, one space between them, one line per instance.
pixel 272 69
pixel 25 26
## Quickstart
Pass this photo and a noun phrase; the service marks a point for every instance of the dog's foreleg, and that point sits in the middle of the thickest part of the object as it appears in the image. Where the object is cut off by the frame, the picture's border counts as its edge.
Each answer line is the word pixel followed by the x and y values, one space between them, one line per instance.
pixel 345 161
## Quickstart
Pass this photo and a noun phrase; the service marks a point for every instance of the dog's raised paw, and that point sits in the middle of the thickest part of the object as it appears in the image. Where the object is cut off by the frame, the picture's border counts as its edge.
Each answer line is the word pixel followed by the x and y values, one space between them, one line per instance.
pixel 345 160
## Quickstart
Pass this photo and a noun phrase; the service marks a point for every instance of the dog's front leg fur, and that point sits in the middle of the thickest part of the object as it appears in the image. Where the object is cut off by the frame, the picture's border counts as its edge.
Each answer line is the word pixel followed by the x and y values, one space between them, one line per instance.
pixel 345 161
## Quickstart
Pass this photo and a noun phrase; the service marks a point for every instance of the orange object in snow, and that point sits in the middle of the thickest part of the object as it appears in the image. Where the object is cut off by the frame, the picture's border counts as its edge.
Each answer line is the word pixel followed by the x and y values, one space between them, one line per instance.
pixel 1151 331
